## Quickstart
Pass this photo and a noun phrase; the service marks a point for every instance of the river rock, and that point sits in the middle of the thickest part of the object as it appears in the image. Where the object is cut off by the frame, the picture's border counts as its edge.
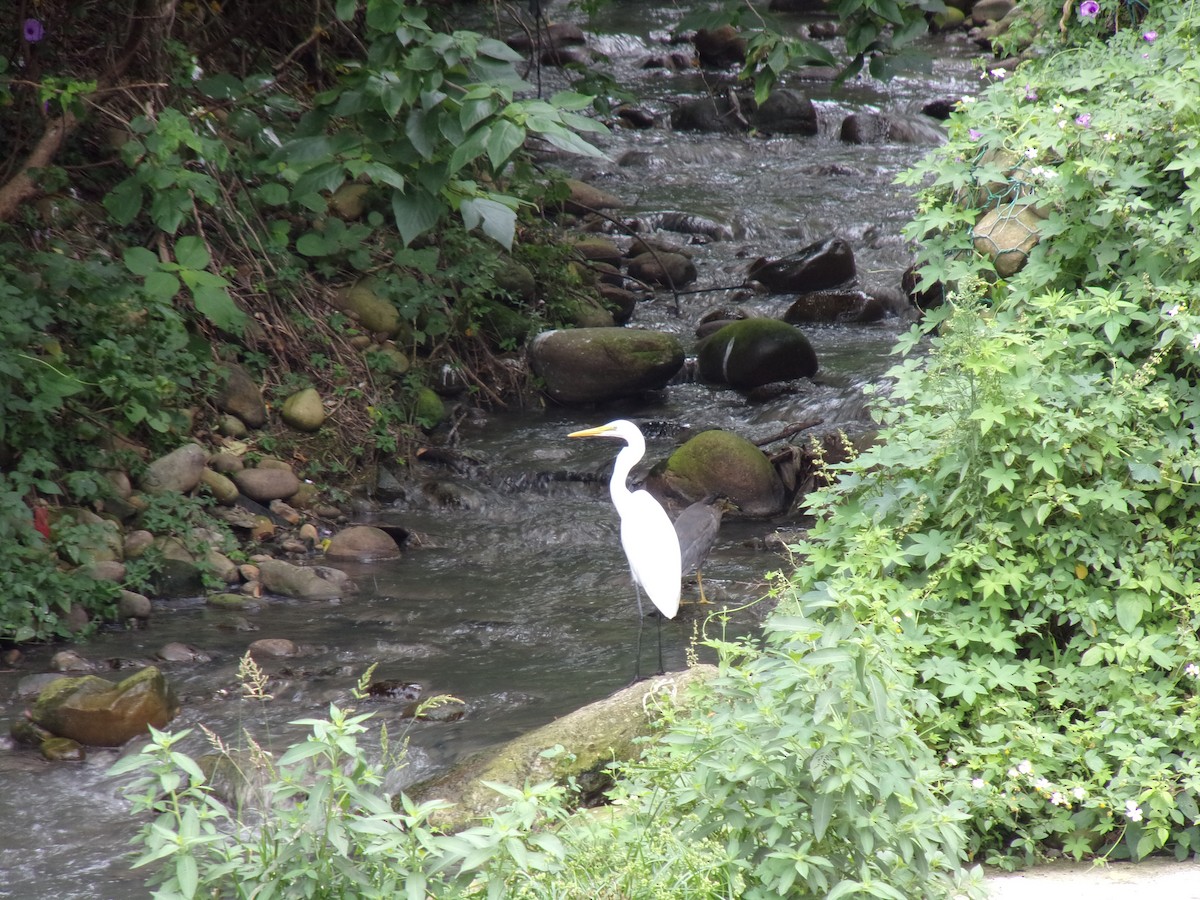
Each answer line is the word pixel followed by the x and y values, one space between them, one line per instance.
pixel 362 542
pixel 106 570
pixel 754 352
pixel 226 463
pixel 785 112
pixel 591 365
pixel 620 302
pixel 598 249
pixel 824 264
pixel 593 737
pixel 984 11
pixel 553 34
pixel 265 485
pixel 304 582
pixel 516 280
pixel 349 202
pixel 723 464
pixel 273 648
pixel 376 314
pixel 671 270
pixel 60 749
pixel 1006 235
pixel 132 605
pixel 179 573
pixel 835 306
pixel 241 396
pixel 720 48
pixel 304 410
pixel 930 298
pixel 222 488
pixel 137 542
pixel 70 661
pixel 177 652
pixel 885 128
pixel 231 426
pixel 720 114
pixel 177 472
pixel 98 713
pixel 585 198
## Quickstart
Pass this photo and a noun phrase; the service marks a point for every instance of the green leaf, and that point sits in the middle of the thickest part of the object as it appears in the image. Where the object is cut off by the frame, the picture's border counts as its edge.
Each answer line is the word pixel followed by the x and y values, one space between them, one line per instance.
pixel 215 304
pixel 505 139
pixel 313 243
pixel 162 286
pixel 1129 611
pixel 496 220
pixel 272 194
pixel 191 252
pixel 140 261
pixel 124 202
pixel 415 212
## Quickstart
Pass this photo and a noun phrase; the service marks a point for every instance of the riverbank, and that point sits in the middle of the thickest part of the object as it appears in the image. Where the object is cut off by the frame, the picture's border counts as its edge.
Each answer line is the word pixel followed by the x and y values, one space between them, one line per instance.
pixel 1163 879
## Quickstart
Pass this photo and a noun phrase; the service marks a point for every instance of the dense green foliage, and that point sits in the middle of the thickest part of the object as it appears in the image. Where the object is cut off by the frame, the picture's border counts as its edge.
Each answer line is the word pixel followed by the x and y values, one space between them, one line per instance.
pixel 1027 521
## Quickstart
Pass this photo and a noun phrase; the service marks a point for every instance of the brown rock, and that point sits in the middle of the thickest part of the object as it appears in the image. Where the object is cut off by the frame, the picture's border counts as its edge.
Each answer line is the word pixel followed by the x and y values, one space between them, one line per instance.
pixel 362 542
pixel 99 713
pixel 265 485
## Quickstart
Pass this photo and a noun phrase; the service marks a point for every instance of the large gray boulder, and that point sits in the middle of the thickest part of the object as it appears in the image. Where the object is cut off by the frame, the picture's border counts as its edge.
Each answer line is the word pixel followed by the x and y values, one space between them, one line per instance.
pixel 723 464
pixel 591 365
pixel 304 582
pixel 593 738
pixel 241 396
pixel 362 542
pixel 754 352
pixel 177 472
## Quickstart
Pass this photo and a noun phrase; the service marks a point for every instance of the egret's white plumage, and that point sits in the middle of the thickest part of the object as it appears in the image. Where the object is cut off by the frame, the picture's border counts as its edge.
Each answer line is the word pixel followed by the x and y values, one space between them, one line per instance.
pixel 647 534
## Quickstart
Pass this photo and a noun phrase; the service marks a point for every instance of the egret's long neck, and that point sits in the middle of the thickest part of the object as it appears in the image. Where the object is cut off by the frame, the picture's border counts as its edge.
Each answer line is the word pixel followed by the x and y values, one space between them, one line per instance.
pixel 626 460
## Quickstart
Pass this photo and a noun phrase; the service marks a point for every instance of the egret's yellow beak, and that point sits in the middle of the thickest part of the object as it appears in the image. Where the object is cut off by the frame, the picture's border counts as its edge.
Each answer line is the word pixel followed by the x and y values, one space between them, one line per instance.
pixel 598 431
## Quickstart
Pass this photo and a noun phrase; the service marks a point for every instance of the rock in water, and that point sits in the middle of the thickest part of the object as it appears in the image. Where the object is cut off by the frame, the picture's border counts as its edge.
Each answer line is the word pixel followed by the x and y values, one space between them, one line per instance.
pixel 99 713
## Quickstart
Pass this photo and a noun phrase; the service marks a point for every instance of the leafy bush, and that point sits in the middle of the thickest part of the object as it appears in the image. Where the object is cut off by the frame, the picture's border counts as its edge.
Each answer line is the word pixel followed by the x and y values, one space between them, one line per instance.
pixel 1027 523
pixel 804 765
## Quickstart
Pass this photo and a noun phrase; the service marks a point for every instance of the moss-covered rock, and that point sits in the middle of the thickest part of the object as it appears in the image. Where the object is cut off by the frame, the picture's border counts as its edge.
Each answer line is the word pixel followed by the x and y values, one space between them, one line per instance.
pixel 754 352
pixel 592 737
pixel 99 713
pixel 303 410
pixel 725 464
pixel 591 365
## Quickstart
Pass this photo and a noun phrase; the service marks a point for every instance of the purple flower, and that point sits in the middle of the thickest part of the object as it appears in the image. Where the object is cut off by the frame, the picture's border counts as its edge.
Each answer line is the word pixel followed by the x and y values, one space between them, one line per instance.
pixel 1084 120
pixel 1088 10
pixel 1030 93
pixel 1150 37
pixel 974 134
pixel 33 31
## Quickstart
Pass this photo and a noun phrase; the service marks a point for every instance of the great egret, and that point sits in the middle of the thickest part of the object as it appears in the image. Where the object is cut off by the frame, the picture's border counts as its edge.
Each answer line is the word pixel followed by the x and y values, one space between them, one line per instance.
pixel 647 534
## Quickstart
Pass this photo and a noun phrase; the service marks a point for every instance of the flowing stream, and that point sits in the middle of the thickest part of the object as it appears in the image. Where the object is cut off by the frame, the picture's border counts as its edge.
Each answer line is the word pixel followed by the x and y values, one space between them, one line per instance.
pixel 516 597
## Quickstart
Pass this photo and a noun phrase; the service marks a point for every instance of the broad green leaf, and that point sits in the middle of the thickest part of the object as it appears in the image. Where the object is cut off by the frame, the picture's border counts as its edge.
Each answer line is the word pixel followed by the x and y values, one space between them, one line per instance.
pixel 162 286
pixel 313 244
pixel 1129 611
pixel 505 139
pixel 140 261
pixel 124 201
pixel 191 252
pixel 415 212
pixel 215 304
pixel 272 194
pixel 496 220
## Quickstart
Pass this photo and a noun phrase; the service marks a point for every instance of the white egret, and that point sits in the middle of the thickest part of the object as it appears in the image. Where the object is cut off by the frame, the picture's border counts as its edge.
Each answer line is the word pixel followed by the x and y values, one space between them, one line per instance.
pixel 647 534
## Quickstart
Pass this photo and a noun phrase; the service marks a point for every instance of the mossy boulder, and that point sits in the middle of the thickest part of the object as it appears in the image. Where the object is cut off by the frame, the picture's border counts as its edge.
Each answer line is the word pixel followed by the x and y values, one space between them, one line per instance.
pixel 375 314
pixel 593 737
pixel 428 408
pixel 754 352
pixel 592 365
pixel 98 713
pixel 725 464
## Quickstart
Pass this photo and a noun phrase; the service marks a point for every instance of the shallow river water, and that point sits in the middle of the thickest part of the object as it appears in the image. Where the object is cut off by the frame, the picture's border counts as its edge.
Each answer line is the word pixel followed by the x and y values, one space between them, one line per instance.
pixel 516 597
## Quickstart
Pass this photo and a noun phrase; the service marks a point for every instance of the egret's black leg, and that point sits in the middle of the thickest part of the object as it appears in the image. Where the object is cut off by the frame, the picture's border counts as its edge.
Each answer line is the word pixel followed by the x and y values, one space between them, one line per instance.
pixel 661 668
pixel 637 665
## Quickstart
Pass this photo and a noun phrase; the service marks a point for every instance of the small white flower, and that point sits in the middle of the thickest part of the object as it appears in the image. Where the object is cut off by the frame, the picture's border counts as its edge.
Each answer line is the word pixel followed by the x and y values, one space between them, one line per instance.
pixel 1079 793
pixel 1109 136
pixel 951 761
pixel 1041 784
pixel 1191 669
pixel 1024 767
pixel 1062 123
pixel 1057 107
pixel 1172 312
pixel 999 73
pixel 1057 798
pixel 1013 773
pixel 1031 153
pixel 978 784
pixel 1133 812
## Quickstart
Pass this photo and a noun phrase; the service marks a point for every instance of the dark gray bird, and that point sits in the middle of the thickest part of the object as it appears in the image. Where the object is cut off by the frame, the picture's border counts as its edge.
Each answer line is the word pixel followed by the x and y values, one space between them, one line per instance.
pixel 697 528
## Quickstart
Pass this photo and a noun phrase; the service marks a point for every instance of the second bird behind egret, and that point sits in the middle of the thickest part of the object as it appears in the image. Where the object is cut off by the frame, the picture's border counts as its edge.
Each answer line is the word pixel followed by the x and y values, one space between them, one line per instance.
pixel 647 535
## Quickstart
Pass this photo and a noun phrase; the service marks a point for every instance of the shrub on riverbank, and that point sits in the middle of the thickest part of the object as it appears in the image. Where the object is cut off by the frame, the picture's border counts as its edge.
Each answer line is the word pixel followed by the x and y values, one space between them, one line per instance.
pixel 1027 522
